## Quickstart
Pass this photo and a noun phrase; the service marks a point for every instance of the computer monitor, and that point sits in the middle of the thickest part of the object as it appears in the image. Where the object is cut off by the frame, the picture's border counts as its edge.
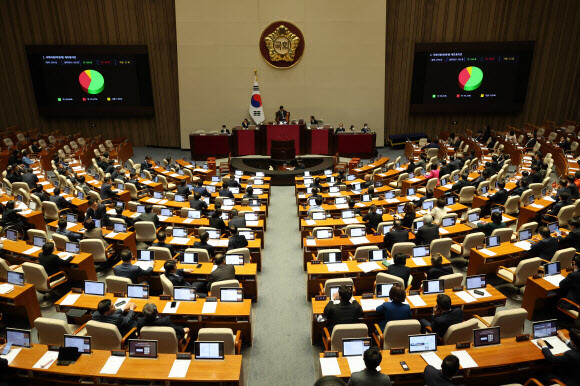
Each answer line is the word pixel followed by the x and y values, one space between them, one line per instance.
pixel 235 295
pixel 473 216
pixel 366 198
pixel 81 342
pixel 456 177
pixel 229 202
pixel 356 186
pixel 355 346
pixel 525 234
pixel 433 286
pixel 72 218
pixel 486 336
pixel 318 215
pixel 411 175
pixel 235 259
pixel 553 227
pixel 258 191
pixel 422 343
pixel 308 181
pixel 484 189
pixel 410 191
pixel 334 290
pixel 97 222
pixel 119 227
pixel 137 291
pixel 145 255
pixel 189 257
pixel 351 177
pixel 544 192
pixel 497 209
pixel 233 189
pixel 209 350
pixel 448 221
pixel 225 216
pixel 158 195
pixel 38 241
pixel 492 241
pixel 18 337
pixel 443 181
pixel 331 257
pixel 94 288
pixel 428 205
pixel 179 232
pixel 378 255
pixel 544 328
pixel 214 234
pixel 248 235
pixel 323 234
pixel 450 200
pixel 401 208
pixel 390 194
pixel 251 216
pixel 141 348
pixel 383 290
pixel 184 294
pixel 259 174
pixel 531 199
pixel 120 204
pixel 357 232
pixel 421 251
pixel 340 201
pixel 32 205
pixel 334 189
pixel 258 181
pixel 552 268
pixel 140 208
pixel 475 282
pixel 81 195
pixel 215 179
pixel 166 212
pixel 210 189
pixel 11 235
pixel 387 228
pixel 194 214
pixel 241 173
pixel 66 191
pixel 71 247
pixel 15 278
pixel 378 184
pixel 418 224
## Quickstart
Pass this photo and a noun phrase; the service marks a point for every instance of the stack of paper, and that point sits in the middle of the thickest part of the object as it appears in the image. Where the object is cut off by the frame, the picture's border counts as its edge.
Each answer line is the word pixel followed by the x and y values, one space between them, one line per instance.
pixel 113 365
pixel 11 354
pixel 371 304
pixel 209 308
pixel 465 360
pixel 419 261
pixel 64 255
pixel 179 368
pixel 112 234
pixel 554 279
pixel 369 266
pixel 537 206
pixel 432 359
pixel 559 346
pixel 5 288
pixel 337 267
pixel 416 300
pixel 525 245
pixel 70 299
pixel 46 360
pixel 350 221
pixel 466 297
pixel 329 366
pixel 359 240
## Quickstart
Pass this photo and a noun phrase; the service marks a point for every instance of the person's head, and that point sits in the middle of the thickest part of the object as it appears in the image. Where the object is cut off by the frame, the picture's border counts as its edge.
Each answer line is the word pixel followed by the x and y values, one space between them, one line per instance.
pixel 365 125
pixel 494 157
pixel 434 166
pixel 465 177
pixel 89 224
pixel 535 168
pixel 330 380
pixel 397 293
pixel 281 108
pixel 512 132
pixel 345 293
pixel 317 180
pixel 203 236
pixel 62 223
pixel 199 183
pixel 225 185
pixel 10 204
pixel 246 120
pixel 81 179
pixel 249 190
pixel 427 219
pixel 183 182
pixel 443 162
pixel 314 191
pixel 486 173
pixel 197 196
pixel 318 201
pixel 563 182
pixel 570 179
pixel 161 236
pixel 488 164
pixel 234 212
pixel 219 259
pixel 119 210
pixel 565 196
pixel 400 259
pixel 105 307
pixel 496 217
pixel 107 180
pixel 312 117
pixel 441 202
pixel 371 190
pixel 444 302
pixel 397 224
pixel 126 255
pixel 373 208
pixel 544 232
pixel 351 203
pixel 372 358
pixel 233 230
pixel 501 185
pixel 574 224
pixel 56 191
pixel 223 127
pixel 48 248
pixel 150 312
pixel 216 213
pixel 148 208
pixel 450 366
pixel 409 207
pixel 436 259
pixel 170 266
pixel 525 184
pixel 429 193
pixel 92 203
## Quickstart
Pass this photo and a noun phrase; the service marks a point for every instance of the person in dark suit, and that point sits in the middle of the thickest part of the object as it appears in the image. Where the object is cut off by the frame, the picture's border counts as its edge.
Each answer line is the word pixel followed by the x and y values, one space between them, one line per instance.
pixel 443 316
pixel 574 192
pixel 61 230
pixel 236 240
pixel 96 211
pixel 370 376
pixel 449 368
pixel 501 196
pixel 222 272
pixel 365 129
pixel 177 276
pixel 428 232
pixel 570 286
pixel 110 169
pixel 216 221
pixel 445 168
pixel 224 130
pixel 344 312
pixel 236 220
pixel 395 309
pixel 92 232
pixel 246 123
pixel 183 189
pixel 410 214
pixel 463 182
pixel 161 237
pixel 250 194
pixel 106 313
pixel 106 190
pixel 411 166
pixel 496 223
pixel 565 366
pixel 202 244
pixel 151 318
pixel 197 203
pixel 572 239
pixel 372 219
pixel 149 216
pixel 225 191
pixel 30 178
pixel 521 187
pixel 128 270
pixel 562 187
pixel 399 268
pixel 437 270
pixel 282 115
pixel 351 203
pixel 313 120
pixel 199 188
pixel 40 193
pixel 546 247
pixel 340 129
pixel 59 200
pixel 455 163
pixel 12 217
pixel 564 201
pixel 395 235
pixel 536 176
pixel 52 263
pixel 317 184
pixel 119 214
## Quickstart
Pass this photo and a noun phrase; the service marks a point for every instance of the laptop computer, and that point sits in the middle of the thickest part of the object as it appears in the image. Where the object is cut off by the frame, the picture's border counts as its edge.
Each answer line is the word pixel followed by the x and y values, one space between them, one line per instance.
pixel 18 337
pixel 471 219
pixel 38 241
pixel 184 294
pixel 209 350
pixel 552 269
pixel 232 295
pixel 141 348
pixel 422 343
pixel 355 346
pixel 378 255
pixel 15 278
pixel 421 251
pixel 331 257
pixel 235 259
pixel 544 328
pixel 448 221
pixel 383 290
pixel 189 257
pixel 475 282
pixel 323 233
pixel 428 205
pixel 94 288
pixel 492 241
pixel 144 255
pixel 137 291
pixel 357 232
pixel 433 286
pixel 483 337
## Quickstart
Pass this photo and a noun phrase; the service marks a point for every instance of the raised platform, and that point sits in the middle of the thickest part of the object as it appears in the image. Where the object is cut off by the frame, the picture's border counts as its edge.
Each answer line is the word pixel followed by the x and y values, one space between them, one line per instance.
pixel 252 164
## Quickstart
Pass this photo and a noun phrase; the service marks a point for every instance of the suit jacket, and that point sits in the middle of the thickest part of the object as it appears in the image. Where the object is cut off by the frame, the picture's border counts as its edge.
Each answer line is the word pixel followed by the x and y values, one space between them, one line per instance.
pixel 395 236
pixel 434 377
pixel 572 240
pixel 107 192
pixel 447 169
pixel 369 378
pixel 222 272
pixel 177 278
pixel 518 191
pixel 99 213
pixel 401 271
pixel 163 321
pixel 393 311
pixel 437 271
pixel 443 321
pixel 477 181
pixel 372 220
pixel 149 217
pixel 209 248
pixel 460 185
pixel 164 245
pixel 11 217
pixel 96 233
pixel 500 197
pixel 237 241
pixel 565 366
pixel 198 205
pixel 426 234
pixel 123 322
pixel 342 313
pixel 60 202
pixel 238 222
pixel 31 179
pixel 408 219
pixel 184 190
pixel 131 271
pixel 218 223
pixel 226 193
pixel 52 263
pixel 281 115
pixel 489 227
pixel 544 249
pixel 570 287
pixel 71 235
pixel 201 190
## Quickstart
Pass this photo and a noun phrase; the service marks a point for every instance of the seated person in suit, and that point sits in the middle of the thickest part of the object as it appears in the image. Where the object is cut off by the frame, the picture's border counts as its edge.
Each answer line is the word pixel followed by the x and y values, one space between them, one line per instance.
pixel 496 223
pixel 564 201
pixel 411 166
pixel 202 244
pixel 183 189
pixel 161 237
pixel 572 239
pixel 366 129
pixel 65 232
pixel 177 276
pixel 562 187
pixel 399 268
pixel 521 186
pixel 499 197
pixel 92 232
pixel 216 221
pixel 313 120
pixel 106 313
pixel 410 215
pixel 222 272
pixel 315 193
pixel 250 194
pixel 443 377
pixel 106 190
pixel 428 232
pixel 96 210
pixel 236 240
pixel 11 216
pixel 370 376
pixel 546 247
pixel 59 200
pixel 351 203
pixel 135 181
pixel 199 188
pixel 437 270
pixel 282 115
pixel 197 203
pixel 443 316
pixel 52 263
pixel 246 123
pixel 439 211
pixel 565 366
pixel 149 216
pixel 225 191
pixel 372 219
pixel 462 183
pixel 236 220
pixel 151 318
pixel 119 214
pixel 316 207
pixel 345 312
pixel 317 184
pixel 40 193
pixel 396 235
pixel 570 285
pixel 395 309
pixel 128 270
pixel 573 189
pixel 445 168
pixel 340 129
pixel 224 130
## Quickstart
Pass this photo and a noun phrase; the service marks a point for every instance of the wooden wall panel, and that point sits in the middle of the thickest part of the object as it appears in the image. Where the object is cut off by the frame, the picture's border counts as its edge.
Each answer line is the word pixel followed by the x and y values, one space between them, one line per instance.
pixel 145 22
pixel 553 89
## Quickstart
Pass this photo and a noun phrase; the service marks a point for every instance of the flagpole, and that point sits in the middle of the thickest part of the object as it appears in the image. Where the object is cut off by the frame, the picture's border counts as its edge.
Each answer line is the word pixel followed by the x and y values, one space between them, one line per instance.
pixel 255 74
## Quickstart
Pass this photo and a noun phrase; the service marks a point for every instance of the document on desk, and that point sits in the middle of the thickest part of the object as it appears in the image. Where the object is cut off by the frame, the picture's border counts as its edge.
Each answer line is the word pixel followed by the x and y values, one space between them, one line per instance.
pixel 310 222
pixel 30 251
pixel 162 202
pixel 334 194
pixel 356 363
pixel 341 206
pixel 209 308
pixel 112 211
pixel 337 267
pixel 432 359
pixel 311 242
pixel 414 179
pixel 143 264
pixel 47 360
pixel 329 366
pixel 170 310
pixel 559 346
pixel 350 221
pixel 487 252
pixel 222 243
pixel 465 296
pixel 112 365
pixel 188 221
pixel 419 261
pixel 465 360
pixel 359 205
pixel 153 200
pixel 554 279
pixel 525 245
pixel 392 200
pixel 371 304
pixel 180 240
pixel 6 288
pixel 416 300
pixel 477 296
pixel 256 223
pixel 163 218
pixel 179 368
pixel 443 231
pixel 70 299
pixel 548 198
pixel 11 354
pixel 112 234
pixel 359 240
pixel 369 266
pixel 537 206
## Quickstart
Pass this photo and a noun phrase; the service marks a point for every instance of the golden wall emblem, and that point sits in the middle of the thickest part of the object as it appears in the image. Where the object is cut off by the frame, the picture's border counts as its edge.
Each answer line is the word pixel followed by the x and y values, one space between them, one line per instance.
pixel 282 44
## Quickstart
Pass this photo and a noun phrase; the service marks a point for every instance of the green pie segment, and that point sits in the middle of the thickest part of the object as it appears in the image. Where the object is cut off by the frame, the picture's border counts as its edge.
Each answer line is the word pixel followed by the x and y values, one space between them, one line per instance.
pixel 470 78
pixel 92 81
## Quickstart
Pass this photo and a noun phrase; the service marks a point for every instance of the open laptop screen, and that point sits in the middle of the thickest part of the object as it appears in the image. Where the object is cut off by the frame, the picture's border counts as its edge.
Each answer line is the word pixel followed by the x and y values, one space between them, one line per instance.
pixel 544 328
pixel 422 343
pixel 433 286
pixel 475 282
pixel 140 348
pixel 20 338
pixel 355 346
pixel 486 336
pixel 82 343
pixel 209 350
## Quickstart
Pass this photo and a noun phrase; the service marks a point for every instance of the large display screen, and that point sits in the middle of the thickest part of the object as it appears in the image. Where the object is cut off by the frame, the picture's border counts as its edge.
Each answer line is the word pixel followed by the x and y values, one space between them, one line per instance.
pixel 463 77
pixel 91 80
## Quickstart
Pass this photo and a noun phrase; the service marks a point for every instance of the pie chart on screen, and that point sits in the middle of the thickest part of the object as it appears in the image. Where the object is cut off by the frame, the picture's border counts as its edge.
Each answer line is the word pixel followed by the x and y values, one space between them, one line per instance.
pixel 470 78
pixel 92 81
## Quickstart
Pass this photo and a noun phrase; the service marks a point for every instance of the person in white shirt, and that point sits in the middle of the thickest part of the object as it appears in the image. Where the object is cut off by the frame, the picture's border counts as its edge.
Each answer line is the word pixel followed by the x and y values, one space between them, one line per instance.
pixel 439 211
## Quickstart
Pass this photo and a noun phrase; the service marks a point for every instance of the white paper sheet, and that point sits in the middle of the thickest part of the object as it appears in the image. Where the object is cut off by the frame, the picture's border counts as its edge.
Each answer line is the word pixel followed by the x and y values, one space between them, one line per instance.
pixel 414 179
pixel 337 267
pixel 432 359
pixel 6 288
pixel 70 299
pixel 121 306
pixel 443 231
pixel 163 201
pixel 256 223
pixel 111 211
pixel 419 261
pixel 416 300
pixel 350 221
pixel 359 205
pixel 371 304
pixel 341 206
pixel 153 200
pixel 559 346
pixel 163 218
pixel 180 240
pixel 525 245
pixel 179 368
pixel 554 279
pixel 466 297
pixel 222 243
pixel 143 264
pixel 11 354
pixel 30 251
pixel 487 252
pixel 359 240
pixel 47 360
pixel 485 293
pixel 392 200
pixel 170 310
pixel 310 222
pixel 112 234
pixel 112 365
pixel 369 266
pixel 538 206
pixel 548 198
pixel 465 360
pixel 329 366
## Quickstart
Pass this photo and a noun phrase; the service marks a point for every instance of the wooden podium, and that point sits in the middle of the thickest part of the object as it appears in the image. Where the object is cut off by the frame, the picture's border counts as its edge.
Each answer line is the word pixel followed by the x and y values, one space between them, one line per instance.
pixel 283 150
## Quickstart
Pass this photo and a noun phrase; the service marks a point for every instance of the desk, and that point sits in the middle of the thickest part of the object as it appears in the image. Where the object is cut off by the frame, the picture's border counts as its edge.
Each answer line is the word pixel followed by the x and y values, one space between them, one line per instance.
pixel 355 144
pixel 210 145
pixel 320 141
pixel 538 292
pixel 284 132
pixel 22 302
pixel 507 254
pixel 246 141
pixel 528 212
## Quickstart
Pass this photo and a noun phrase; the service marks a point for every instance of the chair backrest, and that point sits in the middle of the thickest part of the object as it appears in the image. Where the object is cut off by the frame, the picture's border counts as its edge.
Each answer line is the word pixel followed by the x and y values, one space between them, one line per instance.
pixel 441 246
pixel 342 331
pixel 510 322
pixel 215 286
pixel 525 269
pixel 537 189
pixel 117 284
pixel 242 251
pixel 470 241
pixel 202 255
pixel 349 228
pixel 363 252
pixel 511 205
pixel 95 247
pixel 452 280
pixel 402 177
pixel 565 215
pixel 466 194
pixel 50 210
pixel 51 331
pixel 397 333
pixel 35 274
pixel 20 185
pixel 104 336
pixel 165 337
pixel 161 253
pixel 37 232
pixel 432 152
pixel 4 269
pixel 564 256
pixel 385 278
pixel 532 225
pixel 321 252
pixel 336 282
pixel 404 248
pixel 145 231
pixel 166 284
pixel 316 229
pixel 524 197
pixel 225 335
pixel 505 234
pixel 460 332
pixel 577 210
pixel 432 183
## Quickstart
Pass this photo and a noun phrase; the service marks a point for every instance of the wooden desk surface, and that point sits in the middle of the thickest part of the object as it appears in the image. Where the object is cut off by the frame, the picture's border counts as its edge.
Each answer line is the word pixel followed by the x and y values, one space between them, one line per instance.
pixel 322 269
pixel 249 269
pixel 20 247
pixel 18 290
